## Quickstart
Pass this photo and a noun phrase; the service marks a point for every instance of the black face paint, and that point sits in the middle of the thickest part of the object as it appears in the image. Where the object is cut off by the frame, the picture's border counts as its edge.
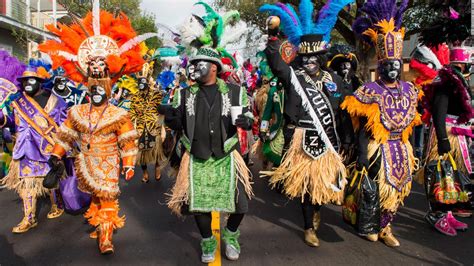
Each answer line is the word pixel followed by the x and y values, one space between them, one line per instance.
pixel 125 93
pixel 60 84
pixel 390 70
pixel 142 84
pixel 345 70
pixel 98 95
pixel 31 86
pixel 202 71
pixel 310 65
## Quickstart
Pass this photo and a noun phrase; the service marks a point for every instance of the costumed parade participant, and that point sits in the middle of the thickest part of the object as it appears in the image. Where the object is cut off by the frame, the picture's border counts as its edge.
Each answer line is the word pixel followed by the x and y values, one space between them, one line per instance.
pixel 105 133
pixel 12 70
pixel 344 62
pixel 271 126
pixel 315 129
pixel 125 88
pixel 384 113
pixel 66 90
pixel 66 196
pixel 35 117
pixel 213 175
pixel 148 122
pixel 447 101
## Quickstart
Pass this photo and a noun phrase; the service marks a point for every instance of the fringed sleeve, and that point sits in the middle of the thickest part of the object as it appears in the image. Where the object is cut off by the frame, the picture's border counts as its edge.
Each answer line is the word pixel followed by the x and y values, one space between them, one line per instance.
pixel 127 138
pixel 65 138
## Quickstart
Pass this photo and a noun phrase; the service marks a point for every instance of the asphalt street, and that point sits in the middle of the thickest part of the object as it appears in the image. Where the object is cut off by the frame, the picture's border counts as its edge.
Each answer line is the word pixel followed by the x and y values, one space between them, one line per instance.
pixel 271 234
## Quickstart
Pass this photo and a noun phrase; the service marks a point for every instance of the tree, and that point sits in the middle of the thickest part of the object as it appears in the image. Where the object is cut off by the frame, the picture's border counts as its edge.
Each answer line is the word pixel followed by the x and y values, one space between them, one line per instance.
pixel 142 21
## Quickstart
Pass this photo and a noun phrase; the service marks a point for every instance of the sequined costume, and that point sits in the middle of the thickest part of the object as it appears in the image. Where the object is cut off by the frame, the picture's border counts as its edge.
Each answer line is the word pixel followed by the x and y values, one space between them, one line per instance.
pixel 384 113
pixel 105 47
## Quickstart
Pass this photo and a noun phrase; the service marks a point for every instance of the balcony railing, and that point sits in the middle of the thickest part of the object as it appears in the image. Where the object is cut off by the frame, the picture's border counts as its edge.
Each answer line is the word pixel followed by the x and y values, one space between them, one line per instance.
pixel 18 9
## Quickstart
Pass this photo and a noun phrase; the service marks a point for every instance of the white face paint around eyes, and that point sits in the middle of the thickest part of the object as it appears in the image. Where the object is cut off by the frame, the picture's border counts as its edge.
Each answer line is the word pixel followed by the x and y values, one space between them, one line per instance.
pixel 396 64
pixel 100 90
pixel 31 81
pixel 97 98
pixel 273 84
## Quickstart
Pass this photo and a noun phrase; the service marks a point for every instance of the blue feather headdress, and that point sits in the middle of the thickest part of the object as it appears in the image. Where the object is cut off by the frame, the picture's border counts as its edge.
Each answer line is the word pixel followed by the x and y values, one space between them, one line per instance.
pixel 297 26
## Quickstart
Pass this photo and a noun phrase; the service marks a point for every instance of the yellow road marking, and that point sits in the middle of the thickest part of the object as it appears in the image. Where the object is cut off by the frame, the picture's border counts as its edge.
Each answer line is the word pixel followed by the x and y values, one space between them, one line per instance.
pixel 215 225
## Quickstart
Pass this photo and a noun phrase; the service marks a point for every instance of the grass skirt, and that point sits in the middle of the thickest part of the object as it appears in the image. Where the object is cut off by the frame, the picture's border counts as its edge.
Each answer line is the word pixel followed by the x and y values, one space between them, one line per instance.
pixel 300 174
pixel 24 186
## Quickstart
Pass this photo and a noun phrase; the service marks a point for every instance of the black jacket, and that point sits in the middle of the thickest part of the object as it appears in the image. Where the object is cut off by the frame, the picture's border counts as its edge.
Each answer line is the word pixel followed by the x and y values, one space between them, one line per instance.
pixel 207 131
pixel 293 110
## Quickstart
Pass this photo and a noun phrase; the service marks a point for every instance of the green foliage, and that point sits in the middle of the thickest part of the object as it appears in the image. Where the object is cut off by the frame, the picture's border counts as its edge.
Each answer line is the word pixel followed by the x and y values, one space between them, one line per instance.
pixel 146 23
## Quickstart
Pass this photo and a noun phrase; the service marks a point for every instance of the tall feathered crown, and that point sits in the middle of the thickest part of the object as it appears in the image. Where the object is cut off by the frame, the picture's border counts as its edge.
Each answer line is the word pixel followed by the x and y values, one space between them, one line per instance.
pixel 382 27
pixel 99 34
pixel 208 34
pixel 310 35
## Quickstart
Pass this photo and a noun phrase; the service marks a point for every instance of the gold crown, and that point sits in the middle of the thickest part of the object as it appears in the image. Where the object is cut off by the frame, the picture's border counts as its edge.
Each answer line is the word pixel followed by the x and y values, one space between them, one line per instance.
pixel 388 42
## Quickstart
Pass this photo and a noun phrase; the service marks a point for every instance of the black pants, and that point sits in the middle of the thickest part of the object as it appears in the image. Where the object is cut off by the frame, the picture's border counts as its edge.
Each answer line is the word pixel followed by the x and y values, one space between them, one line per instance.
pixel 308 209
pixel 203 221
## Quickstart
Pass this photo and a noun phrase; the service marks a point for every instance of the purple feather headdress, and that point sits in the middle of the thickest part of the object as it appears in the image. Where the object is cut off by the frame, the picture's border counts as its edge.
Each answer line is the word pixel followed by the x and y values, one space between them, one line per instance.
pixel 376 11
pixel 11 68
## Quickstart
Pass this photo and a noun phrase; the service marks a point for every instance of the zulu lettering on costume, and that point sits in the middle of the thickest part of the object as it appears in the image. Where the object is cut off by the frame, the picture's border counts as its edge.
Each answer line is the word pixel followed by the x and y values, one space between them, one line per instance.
pixel 313 143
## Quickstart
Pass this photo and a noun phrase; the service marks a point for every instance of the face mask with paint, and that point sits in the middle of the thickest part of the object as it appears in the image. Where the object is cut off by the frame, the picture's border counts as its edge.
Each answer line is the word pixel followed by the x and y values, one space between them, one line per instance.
pixel 60 84
pixel 202 71
pixel 390 70
pixel 310 65
pixel 142 84
pixel 125 93
pixel 31 86
pixel 345 70
pixel 98 95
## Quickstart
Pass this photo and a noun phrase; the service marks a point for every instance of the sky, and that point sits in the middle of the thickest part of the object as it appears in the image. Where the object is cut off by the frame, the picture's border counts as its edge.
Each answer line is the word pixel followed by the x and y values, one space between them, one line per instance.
pixel 171 12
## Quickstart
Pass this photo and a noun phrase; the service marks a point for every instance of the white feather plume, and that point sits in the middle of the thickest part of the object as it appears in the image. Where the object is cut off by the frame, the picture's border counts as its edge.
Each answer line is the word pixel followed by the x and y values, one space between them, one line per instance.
pixel 428 54
pixel 96 17
pixel 135 41
pixel 190 30
pixel 234 33
pixel 171 61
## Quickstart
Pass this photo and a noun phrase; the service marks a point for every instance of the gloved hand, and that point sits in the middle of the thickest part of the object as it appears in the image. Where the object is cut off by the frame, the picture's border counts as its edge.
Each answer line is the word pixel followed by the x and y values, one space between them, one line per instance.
pixel 129 172
pixel 54 162
pixel 51 180
pixel 362 162
pixel 443 147
pixel 163 109
pixel 263 136
pixel 244 122
pixel 173 118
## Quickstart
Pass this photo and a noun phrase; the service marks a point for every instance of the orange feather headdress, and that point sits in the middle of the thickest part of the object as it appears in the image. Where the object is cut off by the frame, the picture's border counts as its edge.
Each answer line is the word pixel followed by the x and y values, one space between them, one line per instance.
pixel 99 33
